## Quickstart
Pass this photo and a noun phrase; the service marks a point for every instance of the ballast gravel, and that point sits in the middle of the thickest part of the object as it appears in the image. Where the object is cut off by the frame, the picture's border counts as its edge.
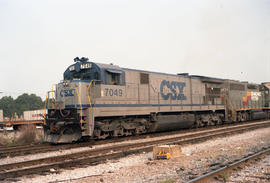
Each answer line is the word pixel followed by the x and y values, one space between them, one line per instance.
pixel 8 160
pixel 195 159
pixel 255 172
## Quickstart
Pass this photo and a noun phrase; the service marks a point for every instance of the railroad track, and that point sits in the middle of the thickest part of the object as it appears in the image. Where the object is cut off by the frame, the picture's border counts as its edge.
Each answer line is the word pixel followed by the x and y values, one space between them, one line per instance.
pixel 217 174
pixel 95 156
pixel 33 149
pixel 41 148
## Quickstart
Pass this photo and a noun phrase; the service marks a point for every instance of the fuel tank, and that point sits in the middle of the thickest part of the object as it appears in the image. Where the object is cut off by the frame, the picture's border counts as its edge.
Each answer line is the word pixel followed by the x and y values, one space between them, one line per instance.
pixel 258 114
pixel 174 122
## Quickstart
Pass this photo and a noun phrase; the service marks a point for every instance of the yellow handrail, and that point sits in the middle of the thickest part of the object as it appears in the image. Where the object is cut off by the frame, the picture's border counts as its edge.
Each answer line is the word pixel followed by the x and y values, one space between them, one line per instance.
pixel 45 104
pixel 53 96
pixel 89 100
pixel 79 99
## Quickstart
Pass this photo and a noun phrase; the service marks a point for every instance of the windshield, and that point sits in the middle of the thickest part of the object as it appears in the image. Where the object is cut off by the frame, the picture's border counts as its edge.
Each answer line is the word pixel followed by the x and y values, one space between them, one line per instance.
pixel 86 74
pixel 82 75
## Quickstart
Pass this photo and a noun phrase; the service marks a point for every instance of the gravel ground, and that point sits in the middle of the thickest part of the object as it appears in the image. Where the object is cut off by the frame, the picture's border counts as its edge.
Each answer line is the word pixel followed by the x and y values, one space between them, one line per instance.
pixel 257 172
pixel 73 150
pixel 196 159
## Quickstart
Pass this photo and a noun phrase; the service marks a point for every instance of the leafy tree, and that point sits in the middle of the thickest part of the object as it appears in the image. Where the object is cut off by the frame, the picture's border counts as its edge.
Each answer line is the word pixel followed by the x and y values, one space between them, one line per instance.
pixel 7 104
pixel 27 102
pixel 22 103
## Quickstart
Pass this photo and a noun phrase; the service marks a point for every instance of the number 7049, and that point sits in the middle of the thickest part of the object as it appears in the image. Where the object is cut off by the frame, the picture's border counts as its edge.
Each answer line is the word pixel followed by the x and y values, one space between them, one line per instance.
pixel 113 92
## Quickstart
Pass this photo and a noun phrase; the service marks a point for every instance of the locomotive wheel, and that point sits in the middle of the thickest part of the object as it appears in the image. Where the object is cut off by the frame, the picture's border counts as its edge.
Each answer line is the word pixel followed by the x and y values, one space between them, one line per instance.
pixel 140 130
pixel 127 132
pixel 244 116
pixel 239 116
pixel 219 122
pixel 100 134
pixel 118 132
pixel 198 123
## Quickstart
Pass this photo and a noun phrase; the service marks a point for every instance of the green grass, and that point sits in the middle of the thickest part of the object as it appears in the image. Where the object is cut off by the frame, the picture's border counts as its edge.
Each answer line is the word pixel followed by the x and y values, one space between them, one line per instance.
pixel 168 180
pixel 224 176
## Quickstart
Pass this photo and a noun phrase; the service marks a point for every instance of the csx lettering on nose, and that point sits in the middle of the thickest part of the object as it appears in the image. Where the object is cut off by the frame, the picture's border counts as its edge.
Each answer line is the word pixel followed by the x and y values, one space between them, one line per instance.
pixel 67 93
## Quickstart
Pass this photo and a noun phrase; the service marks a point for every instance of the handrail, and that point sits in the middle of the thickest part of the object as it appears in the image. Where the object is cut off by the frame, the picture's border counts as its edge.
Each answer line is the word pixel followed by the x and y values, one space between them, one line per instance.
pixel 89 100
pixel 53 95
pixel 48 99
pixel 79 99
pixel 45 104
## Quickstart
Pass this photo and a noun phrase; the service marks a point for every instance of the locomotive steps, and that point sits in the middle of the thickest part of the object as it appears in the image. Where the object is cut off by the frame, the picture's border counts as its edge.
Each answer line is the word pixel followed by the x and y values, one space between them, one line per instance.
pixel 115 151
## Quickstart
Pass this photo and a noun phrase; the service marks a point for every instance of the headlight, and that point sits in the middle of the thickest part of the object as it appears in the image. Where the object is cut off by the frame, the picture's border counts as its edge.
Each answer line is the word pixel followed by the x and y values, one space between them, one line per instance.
pixel 72 68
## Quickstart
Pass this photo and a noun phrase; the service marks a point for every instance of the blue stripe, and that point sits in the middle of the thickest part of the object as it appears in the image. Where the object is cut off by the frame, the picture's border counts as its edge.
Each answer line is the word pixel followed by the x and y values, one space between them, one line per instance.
pixel 133 105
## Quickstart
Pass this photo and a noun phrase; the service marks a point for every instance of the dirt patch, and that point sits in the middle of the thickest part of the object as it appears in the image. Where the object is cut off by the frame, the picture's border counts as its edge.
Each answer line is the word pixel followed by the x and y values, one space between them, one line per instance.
pixel 26 134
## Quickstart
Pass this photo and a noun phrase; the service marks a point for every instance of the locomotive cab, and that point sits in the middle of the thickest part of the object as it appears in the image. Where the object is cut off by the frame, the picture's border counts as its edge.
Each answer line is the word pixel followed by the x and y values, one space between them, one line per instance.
pixel 71 111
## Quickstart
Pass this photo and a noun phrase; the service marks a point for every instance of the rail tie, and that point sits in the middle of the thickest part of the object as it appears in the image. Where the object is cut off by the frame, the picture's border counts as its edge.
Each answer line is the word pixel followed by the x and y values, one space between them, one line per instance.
pixel 40 148
pixel 110 152
pixel 206 177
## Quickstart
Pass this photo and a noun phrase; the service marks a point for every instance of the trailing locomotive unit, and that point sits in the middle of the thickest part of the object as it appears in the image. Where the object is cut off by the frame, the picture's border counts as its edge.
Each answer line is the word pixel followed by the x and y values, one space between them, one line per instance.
pixel 101 100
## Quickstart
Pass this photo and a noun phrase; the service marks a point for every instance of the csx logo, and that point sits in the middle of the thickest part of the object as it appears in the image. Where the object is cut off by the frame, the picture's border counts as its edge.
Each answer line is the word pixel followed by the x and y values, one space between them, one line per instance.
pixel 172 89
pixel 67 93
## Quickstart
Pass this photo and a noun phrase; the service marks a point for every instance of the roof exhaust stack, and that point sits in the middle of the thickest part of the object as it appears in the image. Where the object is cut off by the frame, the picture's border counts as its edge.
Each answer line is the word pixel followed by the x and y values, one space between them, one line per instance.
pixel 82 59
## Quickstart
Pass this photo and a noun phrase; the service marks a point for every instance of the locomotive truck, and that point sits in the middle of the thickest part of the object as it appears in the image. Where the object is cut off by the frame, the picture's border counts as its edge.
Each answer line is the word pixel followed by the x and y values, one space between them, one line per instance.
pixel 104 100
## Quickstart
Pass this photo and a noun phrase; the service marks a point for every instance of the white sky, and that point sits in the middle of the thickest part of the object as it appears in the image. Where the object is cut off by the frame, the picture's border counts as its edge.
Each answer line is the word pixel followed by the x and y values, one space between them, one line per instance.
pixel 219 38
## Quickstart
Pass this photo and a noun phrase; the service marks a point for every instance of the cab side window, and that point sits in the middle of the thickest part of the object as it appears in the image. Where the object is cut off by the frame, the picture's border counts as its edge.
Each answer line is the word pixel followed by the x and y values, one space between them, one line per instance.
pixel 113 77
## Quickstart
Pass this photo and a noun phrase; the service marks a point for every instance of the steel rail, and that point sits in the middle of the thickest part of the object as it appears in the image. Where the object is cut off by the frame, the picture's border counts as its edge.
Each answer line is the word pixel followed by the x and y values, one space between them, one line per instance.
pixel 215 173
pixel 111 152
pixel 33 149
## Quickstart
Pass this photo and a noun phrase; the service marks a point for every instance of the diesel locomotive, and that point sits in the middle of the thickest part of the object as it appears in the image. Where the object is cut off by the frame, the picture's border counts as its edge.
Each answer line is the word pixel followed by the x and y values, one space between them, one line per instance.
pixel 97 101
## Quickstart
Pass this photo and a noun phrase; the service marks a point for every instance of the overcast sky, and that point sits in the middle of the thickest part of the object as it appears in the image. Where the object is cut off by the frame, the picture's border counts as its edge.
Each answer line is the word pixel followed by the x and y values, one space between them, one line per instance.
pixel 219 38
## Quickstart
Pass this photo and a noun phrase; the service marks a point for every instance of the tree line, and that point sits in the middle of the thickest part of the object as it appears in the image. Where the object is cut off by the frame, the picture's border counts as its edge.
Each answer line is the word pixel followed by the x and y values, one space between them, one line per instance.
pixel 22 103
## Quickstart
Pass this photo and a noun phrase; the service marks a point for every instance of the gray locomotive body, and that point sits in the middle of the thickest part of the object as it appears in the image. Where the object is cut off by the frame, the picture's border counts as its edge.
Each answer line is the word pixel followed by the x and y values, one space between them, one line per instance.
pixel 103 100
